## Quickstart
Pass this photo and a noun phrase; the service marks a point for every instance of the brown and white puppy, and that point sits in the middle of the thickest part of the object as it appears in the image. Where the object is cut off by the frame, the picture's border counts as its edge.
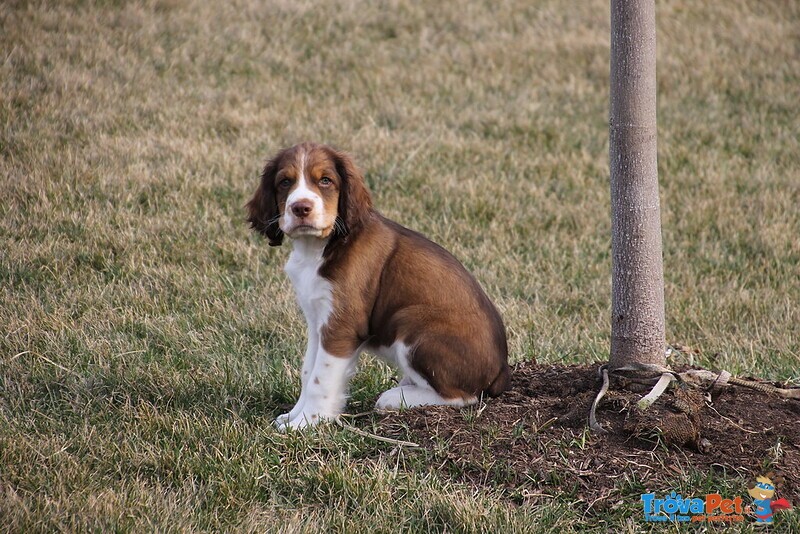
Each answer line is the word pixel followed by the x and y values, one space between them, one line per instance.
pixel 367 283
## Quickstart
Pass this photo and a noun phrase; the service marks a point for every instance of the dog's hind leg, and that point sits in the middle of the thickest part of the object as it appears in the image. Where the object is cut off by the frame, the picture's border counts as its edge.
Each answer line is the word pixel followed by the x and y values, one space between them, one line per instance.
pixel 409 396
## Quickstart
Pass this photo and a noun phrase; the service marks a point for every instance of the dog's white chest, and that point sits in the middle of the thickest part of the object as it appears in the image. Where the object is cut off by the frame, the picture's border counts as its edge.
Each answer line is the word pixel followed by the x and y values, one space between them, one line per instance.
pixel 314 293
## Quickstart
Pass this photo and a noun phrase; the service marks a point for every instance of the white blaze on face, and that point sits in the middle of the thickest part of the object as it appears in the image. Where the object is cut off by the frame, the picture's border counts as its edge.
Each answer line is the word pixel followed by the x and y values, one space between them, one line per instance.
pixel 303 193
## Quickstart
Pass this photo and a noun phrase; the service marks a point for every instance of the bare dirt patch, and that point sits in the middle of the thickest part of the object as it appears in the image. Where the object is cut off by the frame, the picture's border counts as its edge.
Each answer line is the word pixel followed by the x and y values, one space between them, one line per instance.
pixel 532 441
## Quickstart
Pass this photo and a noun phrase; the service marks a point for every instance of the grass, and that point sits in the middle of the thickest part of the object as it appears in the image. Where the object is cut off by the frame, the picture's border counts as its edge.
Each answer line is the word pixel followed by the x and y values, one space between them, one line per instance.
pixel 147 337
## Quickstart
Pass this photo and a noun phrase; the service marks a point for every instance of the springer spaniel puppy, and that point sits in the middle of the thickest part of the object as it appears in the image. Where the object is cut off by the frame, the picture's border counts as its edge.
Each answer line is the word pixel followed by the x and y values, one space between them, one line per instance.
pixel 366 283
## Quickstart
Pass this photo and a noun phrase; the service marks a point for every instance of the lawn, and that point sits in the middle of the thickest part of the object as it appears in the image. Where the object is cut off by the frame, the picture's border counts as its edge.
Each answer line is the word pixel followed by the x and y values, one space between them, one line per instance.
pixel 148 337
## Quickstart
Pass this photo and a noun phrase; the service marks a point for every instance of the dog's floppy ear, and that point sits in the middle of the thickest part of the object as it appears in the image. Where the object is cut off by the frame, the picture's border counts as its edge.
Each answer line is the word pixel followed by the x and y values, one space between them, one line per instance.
pixel 262 210
pixel 355 202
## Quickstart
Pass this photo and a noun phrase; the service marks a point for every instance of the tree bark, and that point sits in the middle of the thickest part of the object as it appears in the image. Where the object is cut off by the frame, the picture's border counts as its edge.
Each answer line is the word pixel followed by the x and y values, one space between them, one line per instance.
pixel 637 286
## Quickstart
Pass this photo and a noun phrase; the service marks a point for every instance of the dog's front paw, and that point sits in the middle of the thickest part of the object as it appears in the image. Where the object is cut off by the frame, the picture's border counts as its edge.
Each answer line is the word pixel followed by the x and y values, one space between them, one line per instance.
pixel 302 420
pixel 281 421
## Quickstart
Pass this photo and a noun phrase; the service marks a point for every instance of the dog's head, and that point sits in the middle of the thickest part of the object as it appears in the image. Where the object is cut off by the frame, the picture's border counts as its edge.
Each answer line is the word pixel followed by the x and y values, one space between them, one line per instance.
pixel 309 190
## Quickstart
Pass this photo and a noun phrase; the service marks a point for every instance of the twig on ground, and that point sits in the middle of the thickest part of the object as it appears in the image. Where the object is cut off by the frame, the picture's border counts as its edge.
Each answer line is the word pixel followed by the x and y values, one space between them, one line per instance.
pixel 48 360
pixel 731 421
pixel 545 425
pixel 17 355
pixel 376 437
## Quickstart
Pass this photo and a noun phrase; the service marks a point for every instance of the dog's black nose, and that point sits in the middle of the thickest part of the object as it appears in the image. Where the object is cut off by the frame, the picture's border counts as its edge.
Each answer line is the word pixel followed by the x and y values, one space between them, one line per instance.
pixel 301 208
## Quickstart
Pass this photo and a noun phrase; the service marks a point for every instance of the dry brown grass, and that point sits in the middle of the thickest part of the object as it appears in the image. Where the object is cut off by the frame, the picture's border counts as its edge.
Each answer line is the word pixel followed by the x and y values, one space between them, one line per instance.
pixel 134 301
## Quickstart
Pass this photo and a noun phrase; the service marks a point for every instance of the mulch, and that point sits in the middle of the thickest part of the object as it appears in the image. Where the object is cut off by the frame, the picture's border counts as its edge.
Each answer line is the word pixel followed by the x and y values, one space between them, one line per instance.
pixel 532 441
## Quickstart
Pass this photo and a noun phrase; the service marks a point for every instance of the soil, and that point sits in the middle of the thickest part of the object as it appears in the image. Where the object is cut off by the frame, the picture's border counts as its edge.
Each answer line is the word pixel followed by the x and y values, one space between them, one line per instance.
pixel 532 441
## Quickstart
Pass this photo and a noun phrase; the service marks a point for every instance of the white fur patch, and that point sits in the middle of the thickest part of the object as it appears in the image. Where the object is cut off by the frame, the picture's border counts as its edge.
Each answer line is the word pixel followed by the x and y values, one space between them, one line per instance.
pixel 324 394
pixel 324 377
pixel 413 389
pixel 409 396
pixel 303 192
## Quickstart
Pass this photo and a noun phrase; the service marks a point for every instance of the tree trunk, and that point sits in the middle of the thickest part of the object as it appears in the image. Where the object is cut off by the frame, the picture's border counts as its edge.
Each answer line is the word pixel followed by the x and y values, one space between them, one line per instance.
pixel 637 286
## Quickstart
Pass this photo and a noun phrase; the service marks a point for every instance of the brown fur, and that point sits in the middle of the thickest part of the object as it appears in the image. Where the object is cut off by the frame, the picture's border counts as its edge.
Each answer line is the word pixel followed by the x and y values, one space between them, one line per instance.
pixel 392 284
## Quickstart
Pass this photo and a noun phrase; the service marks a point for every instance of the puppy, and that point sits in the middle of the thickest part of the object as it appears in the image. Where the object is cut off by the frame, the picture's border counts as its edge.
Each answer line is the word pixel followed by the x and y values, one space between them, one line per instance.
pixel 367 283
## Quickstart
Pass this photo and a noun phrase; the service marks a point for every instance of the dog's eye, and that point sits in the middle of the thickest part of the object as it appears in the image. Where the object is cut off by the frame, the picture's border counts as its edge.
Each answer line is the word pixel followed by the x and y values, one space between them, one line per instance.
pixel 286 182
pixel 325 181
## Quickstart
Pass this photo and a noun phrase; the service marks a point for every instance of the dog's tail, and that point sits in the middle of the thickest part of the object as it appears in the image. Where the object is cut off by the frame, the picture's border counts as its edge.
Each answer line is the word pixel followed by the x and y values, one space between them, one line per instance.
pixel 501 383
